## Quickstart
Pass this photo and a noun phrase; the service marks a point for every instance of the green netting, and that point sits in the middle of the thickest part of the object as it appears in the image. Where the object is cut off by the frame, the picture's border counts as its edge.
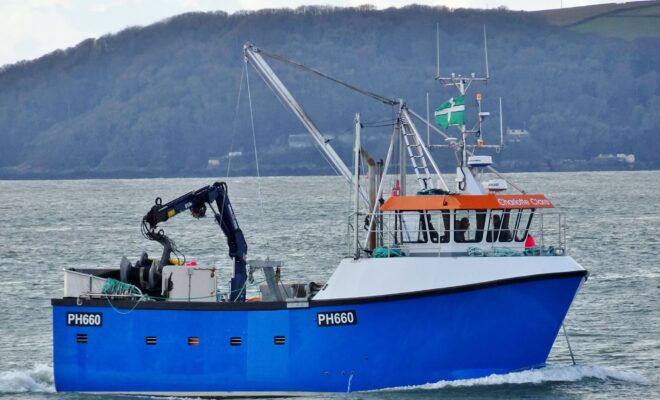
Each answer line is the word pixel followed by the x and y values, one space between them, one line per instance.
pixel 113 286
pixel 383 252
pixel 509 252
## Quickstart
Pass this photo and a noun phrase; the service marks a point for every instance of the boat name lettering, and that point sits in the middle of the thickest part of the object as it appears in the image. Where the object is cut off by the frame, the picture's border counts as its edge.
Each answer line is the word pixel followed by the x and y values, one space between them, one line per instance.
pixel 84 319
pixel 523 202
pixel 335 318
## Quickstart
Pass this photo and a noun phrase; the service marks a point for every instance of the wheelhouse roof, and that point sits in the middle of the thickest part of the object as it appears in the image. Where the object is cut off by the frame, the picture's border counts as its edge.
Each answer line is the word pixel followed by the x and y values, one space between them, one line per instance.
pixel 465 202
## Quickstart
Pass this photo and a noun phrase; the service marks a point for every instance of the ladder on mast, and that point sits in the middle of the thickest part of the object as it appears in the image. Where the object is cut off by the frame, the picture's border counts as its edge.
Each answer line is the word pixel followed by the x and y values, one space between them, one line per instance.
pixel 419 155
pixel 417 158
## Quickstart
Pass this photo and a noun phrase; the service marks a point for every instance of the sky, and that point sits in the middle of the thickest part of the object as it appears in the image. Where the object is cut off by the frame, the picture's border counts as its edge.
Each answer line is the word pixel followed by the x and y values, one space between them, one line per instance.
pixel 32 28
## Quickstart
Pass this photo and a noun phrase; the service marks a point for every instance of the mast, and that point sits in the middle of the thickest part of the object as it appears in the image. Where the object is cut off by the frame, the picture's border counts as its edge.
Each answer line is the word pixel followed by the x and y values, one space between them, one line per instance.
pixel 373 173
pixel 465 179
pixel 402 158
pixel 381 184
pixel 356 181
pixel 428 112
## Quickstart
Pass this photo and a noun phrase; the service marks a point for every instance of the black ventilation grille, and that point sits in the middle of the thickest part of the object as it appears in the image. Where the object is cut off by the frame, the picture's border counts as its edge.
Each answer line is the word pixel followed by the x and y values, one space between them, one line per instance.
pixel 235 341
pixel 193 341
pixel 151 340
pixel 279 340
pixel 81 338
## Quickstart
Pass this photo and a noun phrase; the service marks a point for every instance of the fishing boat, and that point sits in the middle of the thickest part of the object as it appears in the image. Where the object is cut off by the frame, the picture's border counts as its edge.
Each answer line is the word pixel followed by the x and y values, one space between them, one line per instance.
pixel 440 283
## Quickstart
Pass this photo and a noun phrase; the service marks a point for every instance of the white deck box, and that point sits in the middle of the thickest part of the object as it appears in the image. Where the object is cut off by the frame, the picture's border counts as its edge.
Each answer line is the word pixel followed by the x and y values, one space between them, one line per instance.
pixel 190 283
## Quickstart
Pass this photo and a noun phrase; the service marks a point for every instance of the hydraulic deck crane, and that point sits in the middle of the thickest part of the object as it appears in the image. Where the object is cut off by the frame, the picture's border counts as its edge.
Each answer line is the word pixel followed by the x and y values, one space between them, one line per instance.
pixel 196 201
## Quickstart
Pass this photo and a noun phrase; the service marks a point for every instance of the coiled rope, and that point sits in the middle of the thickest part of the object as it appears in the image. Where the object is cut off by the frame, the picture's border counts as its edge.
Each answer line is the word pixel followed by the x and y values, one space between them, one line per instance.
pixel 509 252
pixel 113 286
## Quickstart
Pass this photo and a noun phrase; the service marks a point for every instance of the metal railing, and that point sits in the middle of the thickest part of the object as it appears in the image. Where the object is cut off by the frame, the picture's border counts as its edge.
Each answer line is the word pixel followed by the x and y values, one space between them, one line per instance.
pixel 551 229
pixel 410 233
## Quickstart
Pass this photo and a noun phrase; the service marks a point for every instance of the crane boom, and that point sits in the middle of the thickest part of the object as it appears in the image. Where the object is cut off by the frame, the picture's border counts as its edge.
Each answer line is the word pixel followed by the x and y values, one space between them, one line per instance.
pixel 252 55
pixel 196 202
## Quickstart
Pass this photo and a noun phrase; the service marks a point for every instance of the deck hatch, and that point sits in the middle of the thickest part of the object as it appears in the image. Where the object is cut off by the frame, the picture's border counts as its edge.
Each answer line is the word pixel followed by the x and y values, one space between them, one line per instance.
pixel 279 340
pixel 235 341
pixel 81 338
pixel 151 340
pixel 193 340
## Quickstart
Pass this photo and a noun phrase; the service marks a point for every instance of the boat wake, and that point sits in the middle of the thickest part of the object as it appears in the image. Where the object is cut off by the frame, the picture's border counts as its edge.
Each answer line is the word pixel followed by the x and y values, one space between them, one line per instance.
pixel 572 373
pixel 39 379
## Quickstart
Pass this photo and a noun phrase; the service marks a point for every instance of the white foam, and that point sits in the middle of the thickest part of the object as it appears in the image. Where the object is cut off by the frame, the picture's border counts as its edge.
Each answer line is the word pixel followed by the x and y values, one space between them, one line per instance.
pixel 570 373
pixel 38 379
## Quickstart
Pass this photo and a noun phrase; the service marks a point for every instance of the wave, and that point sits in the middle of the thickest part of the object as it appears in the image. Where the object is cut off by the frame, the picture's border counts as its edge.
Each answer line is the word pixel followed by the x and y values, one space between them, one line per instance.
pixel 38 379
pixel 572 373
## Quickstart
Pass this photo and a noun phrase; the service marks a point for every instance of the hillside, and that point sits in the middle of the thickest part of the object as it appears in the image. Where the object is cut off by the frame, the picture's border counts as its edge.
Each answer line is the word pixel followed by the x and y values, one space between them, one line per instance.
pixel 160 100
pixel 573 15
pixel 630 20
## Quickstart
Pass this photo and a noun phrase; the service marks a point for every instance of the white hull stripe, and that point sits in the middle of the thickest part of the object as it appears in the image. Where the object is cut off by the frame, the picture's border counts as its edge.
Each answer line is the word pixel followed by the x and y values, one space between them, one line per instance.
pixel 373 277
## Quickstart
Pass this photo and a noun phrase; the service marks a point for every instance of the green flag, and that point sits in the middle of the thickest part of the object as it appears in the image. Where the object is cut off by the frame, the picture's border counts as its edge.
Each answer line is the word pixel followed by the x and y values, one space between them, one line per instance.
pixel 451 112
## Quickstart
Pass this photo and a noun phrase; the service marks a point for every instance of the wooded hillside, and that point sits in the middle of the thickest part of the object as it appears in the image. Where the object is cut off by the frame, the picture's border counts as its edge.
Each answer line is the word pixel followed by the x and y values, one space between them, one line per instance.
pixel 161 100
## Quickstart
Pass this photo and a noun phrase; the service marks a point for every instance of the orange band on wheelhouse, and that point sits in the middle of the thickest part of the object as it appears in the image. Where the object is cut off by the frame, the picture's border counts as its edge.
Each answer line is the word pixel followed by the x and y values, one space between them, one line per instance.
pixel 466 202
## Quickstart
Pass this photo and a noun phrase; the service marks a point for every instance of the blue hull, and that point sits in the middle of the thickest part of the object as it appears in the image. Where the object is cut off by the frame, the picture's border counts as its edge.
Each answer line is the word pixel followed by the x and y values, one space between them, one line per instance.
pixel 404 340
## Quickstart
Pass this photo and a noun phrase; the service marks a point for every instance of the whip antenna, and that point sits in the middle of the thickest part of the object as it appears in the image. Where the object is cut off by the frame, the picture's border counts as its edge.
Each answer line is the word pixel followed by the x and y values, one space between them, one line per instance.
pixel 501 126
pixel 486 51
pixel 437 49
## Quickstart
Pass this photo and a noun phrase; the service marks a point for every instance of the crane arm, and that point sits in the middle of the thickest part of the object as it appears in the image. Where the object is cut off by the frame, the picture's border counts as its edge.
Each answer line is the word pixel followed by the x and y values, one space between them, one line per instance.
pixel 196 201
pixel 252 54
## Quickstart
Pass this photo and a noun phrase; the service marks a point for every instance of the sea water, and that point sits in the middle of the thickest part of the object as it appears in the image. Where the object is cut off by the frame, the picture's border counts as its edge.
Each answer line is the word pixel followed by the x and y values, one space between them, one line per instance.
pixel 613 222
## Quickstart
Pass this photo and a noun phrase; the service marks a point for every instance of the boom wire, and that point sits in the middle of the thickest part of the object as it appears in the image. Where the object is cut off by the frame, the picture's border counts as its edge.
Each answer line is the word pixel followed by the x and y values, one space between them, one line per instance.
pixel 254 141
pixel 367 93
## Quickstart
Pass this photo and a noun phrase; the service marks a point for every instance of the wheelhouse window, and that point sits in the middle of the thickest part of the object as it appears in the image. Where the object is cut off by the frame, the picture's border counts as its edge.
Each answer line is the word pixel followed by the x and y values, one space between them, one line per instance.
pixel 410 227
pixel 523 223
pixel 499 225
pixel 422 227
pixel 441 222
pixel 469 226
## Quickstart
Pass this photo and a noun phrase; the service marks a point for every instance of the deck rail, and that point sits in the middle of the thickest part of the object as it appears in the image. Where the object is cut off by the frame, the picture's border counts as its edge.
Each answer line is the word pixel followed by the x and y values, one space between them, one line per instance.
pixel 408 232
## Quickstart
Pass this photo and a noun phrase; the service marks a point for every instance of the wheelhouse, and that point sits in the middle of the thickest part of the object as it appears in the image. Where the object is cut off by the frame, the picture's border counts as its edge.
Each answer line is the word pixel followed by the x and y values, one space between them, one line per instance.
pixel 458 224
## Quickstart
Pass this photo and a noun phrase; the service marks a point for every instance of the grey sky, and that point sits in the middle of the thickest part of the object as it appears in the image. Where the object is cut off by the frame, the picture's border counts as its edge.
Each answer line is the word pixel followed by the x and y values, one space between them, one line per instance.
pixel 31 28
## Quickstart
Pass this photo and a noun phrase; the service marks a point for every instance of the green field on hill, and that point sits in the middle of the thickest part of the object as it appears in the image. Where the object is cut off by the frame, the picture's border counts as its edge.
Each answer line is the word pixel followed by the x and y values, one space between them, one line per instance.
pixel 628 21
pixel 576 15
pixel 650 11
pixel 622 27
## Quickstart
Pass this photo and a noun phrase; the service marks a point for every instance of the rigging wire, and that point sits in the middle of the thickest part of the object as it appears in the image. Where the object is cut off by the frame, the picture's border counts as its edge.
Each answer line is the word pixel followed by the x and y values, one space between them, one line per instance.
pixel 367 125
pixel 234 123
pixel 380 121
pixel 316 145
pixel 376 96
pixel 254 140
pixel 367 93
